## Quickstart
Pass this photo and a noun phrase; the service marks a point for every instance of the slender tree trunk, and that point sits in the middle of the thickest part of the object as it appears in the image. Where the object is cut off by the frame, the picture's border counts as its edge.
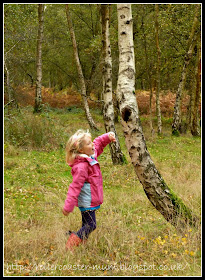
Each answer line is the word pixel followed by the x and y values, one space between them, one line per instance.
pixel 80 72
pixel 10 98
pixel 108 109
pixel 158 109
pixel 148 75
pixel 191 44
pixel 38 98
pixel 116 107
pixel 12 103
pixel 195 129
pixel 160 195
pixel 9 93
pixel 189 117
pixel 30 76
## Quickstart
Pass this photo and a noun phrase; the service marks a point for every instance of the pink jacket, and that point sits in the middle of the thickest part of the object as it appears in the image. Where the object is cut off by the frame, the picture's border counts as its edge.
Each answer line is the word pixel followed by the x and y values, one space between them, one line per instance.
pixel 86 189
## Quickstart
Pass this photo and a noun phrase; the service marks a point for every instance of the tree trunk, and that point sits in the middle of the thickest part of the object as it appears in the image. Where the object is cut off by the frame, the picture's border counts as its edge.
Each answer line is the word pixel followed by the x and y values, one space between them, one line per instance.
pixel 30 76
pixel 38 98
pixel 116 107
pixel 191 44
pixel 80 72
pixel 12 103
pixel 9 93
pixel 158 109
pixel 195 130
pixel 159 194
pixel 148 75
pixel 189 112
pixel 108 109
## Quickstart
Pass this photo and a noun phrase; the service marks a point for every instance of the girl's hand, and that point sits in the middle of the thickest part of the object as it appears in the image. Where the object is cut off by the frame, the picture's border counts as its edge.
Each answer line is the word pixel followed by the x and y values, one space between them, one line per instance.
pixel 112 136
pixel 65 213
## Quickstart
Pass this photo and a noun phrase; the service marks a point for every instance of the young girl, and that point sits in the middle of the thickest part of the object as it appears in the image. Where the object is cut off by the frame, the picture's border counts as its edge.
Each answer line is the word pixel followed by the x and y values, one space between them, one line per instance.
pixel 86 189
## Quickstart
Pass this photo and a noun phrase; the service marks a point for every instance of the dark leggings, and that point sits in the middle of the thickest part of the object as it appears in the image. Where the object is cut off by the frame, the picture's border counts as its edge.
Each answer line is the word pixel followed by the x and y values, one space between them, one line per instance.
pixel 88 224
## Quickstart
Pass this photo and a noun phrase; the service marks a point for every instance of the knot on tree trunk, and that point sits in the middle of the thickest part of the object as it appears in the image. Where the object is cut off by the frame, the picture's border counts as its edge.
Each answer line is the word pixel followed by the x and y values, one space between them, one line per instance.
pixel 126 113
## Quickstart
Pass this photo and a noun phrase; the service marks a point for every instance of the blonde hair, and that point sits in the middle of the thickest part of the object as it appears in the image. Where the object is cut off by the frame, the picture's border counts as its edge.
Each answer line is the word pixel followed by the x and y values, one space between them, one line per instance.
pixel 74 144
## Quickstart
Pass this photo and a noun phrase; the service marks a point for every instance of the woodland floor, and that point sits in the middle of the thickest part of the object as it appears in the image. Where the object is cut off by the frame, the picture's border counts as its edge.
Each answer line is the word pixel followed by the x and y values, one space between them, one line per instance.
pixel 132 238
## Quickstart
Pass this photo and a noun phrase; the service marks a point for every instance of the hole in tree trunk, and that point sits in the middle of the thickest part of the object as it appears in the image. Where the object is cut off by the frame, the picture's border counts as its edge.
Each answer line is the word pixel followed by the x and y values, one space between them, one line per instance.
pixel 126 113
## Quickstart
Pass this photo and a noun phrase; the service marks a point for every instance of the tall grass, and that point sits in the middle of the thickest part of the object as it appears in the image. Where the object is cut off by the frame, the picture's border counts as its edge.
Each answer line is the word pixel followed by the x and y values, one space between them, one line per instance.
pixel 33 131
pixel 131 238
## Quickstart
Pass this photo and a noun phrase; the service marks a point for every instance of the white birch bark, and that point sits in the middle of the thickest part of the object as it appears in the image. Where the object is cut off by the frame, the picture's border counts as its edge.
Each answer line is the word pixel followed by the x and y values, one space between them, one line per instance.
pixel 12 103
pixel 108 109
pixel 159 194
pixel 158 109
pixel 38 97
pixel 80 72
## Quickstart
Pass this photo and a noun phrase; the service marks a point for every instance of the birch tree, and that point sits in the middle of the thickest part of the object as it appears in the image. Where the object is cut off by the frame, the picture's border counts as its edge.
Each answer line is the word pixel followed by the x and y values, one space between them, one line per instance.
pixel 195 129
pixel 149 76
pixel 38 97
pixel 108 109
pixel 8 87
pixel 160 195
pixel 190 47
pixel 158 109
pixel 79 69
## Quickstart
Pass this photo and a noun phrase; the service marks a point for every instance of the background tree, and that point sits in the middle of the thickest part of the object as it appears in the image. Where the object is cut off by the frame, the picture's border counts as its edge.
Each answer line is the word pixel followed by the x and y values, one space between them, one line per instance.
pixel 108 110
pixel 11 98
pixel 148 70
pixel 86 19
pixel 158 109
pixel 38 98
pixel 60 74
pixel 80 72
pixel 159 194
pixel 58 61
pixel 195 129
pixel 18 35
pixel 190 47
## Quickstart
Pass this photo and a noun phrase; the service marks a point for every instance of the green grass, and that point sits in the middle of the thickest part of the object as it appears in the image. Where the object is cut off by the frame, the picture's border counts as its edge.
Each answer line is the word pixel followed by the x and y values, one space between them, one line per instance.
pixel 132 237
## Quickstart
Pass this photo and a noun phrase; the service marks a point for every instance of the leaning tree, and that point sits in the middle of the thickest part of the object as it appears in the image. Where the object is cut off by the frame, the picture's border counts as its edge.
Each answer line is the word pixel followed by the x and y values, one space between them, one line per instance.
pixel 79 69
pixel 160 195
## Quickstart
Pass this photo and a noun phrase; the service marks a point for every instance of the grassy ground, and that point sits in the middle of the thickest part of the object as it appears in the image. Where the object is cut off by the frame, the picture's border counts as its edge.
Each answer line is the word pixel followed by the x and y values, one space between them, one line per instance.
pixel 132 238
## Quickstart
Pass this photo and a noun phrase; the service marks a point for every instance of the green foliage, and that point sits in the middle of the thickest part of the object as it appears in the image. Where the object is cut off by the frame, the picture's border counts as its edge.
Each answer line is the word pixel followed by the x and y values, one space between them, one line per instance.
pixel 20 26
pixel 36 131
pixel 175 132
pixel 59 69
pixel 175 23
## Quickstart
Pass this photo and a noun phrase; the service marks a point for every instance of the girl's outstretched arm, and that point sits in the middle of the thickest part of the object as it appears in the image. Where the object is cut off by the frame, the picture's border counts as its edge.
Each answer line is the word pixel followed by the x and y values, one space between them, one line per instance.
pixel 102 141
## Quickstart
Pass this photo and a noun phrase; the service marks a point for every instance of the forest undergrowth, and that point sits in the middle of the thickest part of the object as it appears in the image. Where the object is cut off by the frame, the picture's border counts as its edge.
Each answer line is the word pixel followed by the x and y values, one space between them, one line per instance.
pixel 132 237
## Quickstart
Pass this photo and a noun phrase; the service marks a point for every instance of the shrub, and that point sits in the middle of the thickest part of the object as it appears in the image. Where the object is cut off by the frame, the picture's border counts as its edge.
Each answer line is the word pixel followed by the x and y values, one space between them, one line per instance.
pixel 32 131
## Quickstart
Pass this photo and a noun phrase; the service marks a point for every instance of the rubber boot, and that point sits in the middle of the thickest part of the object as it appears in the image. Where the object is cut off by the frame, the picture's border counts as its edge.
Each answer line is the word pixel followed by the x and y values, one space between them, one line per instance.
pixel 73 241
